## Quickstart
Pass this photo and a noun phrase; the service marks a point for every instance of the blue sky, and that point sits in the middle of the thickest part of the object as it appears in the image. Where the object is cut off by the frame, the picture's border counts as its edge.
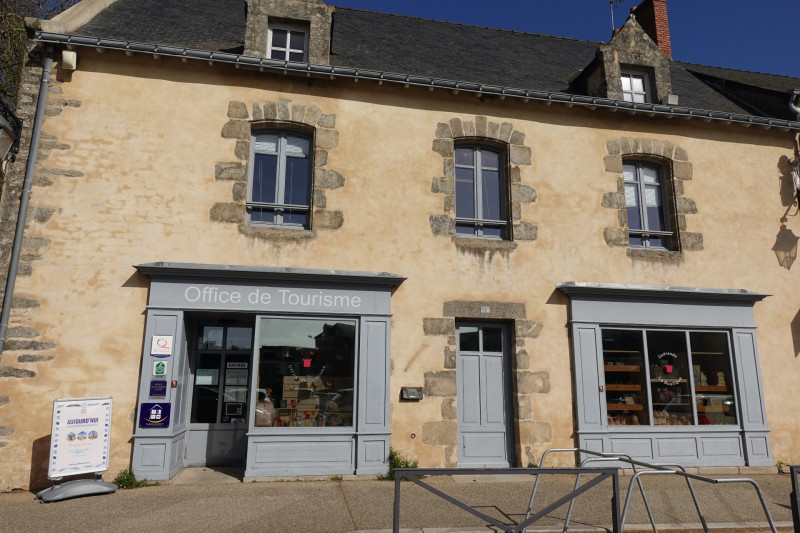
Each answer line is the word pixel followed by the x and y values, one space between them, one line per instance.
pixel 762 36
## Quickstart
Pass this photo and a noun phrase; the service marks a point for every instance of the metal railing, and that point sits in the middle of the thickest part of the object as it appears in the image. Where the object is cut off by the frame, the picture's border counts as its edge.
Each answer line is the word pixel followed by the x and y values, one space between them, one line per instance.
pixel 795 471
pixel 601 474
pixel 657 469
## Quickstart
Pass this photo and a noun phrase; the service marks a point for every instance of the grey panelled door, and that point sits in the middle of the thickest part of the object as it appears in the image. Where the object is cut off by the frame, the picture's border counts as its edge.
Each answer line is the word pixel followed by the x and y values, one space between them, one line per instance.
pixel 484 434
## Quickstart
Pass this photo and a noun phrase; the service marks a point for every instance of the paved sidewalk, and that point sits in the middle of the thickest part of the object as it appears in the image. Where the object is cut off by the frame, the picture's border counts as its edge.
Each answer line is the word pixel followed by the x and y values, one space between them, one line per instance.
pixel 206 499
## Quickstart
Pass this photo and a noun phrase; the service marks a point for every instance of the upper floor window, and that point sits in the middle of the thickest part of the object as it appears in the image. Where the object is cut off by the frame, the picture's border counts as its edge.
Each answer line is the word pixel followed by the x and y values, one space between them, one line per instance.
pixel 636 86
pixel 280 179
pixel 288 42
pixel 646 202
pixel 480 192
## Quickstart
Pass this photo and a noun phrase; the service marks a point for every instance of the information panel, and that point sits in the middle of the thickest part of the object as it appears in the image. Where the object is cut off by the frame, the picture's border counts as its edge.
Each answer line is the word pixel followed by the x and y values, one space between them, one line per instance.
pixel 80 436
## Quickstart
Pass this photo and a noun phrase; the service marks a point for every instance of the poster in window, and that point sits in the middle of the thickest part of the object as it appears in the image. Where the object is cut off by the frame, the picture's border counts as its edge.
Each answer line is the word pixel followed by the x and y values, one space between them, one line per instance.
pixel 236 376
pixel 207 376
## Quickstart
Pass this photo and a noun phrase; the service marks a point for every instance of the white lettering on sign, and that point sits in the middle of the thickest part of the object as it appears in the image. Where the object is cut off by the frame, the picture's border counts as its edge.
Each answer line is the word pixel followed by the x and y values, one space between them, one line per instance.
pixel 210 294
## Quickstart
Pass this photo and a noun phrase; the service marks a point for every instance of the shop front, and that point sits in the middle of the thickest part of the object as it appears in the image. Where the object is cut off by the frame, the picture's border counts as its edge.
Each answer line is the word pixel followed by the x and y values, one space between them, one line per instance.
pixel 668 374
pixel 281 371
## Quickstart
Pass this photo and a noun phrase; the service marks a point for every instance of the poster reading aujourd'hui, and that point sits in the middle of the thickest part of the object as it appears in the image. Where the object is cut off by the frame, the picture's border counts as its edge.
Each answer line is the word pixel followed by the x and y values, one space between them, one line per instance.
pixel 80 437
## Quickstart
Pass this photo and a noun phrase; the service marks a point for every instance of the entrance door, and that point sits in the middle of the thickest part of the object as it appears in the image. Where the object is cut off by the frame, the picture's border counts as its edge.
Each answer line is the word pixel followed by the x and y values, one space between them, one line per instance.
pixel 221 365
pixel 484 434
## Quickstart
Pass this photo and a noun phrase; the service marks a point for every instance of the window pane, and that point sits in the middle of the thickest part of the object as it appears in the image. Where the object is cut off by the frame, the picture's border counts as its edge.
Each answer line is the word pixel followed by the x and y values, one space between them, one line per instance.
pixel 262 214
pixel 626 82
pixel 713 381
pixel 465 193
pixel 210 338
pixel 465 156
pixel 465 229
pixel 305 373
pixel 492 339
pixel 492 195
pixel 297 56
pixel 629 172
pixel 295 219
pixel 297 40
pixel 669 378
pixel 637 84
pixel 266 143
pixel 265 169
pixel 468 339
pixel 490 159
pixel 297 146
pixel 239 338
pixel 625 382
pixel 639 98
pixel 297 181
pixel 279 38
pixel 493 232
pixel 206 386
pixel 649 175
pixel 632 203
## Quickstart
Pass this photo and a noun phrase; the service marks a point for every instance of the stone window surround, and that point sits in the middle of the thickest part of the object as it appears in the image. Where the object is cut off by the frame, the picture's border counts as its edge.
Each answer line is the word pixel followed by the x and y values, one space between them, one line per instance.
pixel 280 114
pixel 313 13
pixel 526 384
pixel 498 135
pixel 676 168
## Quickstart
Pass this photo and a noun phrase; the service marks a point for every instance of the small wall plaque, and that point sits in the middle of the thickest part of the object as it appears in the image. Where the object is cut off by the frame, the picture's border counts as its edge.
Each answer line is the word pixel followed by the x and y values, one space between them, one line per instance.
pixel 411 394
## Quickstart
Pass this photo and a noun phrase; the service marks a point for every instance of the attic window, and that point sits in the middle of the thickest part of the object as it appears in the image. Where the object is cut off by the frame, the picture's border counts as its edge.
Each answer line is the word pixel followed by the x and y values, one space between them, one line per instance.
pixel 288 42
pixel 636 86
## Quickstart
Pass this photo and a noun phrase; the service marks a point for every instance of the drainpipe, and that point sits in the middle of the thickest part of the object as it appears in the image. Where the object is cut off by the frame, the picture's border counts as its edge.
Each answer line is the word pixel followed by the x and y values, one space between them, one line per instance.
pixel 25 198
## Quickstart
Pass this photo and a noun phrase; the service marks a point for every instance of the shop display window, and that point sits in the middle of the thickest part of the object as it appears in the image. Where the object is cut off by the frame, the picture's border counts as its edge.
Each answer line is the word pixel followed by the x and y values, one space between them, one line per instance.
pixel 668 378
pixel 305 373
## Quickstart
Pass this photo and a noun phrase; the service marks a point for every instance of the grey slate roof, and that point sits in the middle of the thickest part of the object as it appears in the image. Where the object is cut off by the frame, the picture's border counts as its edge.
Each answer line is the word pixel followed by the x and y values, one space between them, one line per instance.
pixel 441 50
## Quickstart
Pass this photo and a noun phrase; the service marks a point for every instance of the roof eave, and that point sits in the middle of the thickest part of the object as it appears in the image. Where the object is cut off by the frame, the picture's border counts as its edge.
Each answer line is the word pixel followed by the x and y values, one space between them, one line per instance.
pixel 407 80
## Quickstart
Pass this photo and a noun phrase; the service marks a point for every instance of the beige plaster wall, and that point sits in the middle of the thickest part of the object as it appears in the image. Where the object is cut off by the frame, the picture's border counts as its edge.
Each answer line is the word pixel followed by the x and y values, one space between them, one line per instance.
pixel 146 137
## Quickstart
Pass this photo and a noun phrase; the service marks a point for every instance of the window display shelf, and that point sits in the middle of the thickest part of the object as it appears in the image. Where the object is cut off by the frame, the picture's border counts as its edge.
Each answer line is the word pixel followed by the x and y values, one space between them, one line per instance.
pixel 711 388
pixel 668 381
pixel 621 368
pixel 623 387
pixel 672 404
pixel 624 407
pixel 709 353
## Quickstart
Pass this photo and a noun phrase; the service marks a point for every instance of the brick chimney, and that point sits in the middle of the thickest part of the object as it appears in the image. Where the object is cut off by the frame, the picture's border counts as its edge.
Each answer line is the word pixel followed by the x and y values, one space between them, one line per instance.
pixel 652 17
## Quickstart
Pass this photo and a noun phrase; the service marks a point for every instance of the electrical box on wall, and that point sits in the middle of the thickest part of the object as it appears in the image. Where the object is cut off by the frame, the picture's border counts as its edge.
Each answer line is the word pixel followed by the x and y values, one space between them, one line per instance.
pixel 411 394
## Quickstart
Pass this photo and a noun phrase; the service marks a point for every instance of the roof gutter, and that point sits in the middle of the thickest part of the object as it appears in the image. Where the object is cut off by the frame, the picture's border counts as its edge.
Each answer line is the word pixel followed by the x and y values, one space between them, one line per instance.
pixel 407 80
pixel 8 295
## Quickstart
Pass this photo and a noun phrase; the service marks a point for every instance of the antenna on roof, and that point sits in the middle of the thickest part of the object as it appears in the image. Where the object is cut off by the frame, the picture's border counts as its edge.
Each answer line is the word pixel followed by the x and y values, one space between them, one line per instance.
pixel 612 4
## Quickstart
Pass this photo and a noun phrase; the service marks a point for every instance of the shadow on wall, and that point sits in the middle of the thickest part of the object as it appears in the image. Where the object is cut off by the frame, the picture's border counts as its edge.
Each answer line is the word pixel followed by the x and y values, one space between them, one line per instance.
pixel 795 325
pixel 785 246
pixel 40 454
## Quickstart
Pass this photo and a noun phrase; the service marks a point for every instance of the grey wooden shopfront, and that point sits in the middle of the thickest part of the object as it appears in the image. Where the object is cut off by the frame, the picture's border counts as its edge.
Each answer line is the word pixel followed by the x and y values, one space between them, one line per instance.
pixel 183 295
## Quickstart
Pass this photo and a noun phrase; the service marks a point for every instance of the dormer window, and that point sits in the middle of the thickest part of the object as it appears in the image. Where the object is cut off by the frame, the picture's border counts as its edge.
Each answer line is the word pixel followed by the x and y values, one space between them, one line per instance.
pixel 636 86
pixel 288 42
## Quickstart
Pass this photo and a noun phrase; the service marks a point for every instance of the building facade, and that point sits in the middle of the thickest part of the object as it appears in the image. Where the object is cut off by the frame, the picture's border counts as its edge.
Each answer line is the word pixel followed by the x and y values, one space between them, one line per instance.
pixel 285 238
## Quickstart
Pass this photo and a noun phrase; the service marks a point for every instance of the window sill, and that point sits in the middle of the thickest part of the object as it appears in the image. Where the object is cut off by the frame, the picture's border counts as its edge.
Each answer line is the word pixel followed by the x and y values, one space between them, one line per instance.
pixel 277 232
pixel 477 243
pixel 653 253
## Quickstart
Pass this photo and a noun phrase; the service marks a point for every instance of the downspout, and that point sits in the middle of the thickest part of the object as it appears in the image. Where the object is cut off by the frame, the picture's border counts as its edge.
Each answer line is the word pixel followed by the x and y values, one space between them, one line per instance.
pixel 25 198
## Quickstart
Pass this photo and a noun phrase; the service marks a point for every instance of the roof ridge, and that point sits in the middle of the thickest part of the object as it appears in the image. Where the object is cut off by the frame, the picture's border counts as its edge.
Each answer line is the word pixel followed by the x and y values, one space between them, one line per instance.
pixel 738 70
pixel 469 25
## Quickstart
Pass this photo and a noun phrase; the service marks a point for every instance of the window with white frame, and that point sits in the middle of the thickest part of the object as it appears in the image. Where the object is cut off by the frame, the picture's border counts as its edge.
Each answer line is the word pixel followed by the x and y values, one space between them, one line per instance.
pixel 288 42
pixel 480 192
pixel 646 203
pixel 636 86
pixel 279 191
